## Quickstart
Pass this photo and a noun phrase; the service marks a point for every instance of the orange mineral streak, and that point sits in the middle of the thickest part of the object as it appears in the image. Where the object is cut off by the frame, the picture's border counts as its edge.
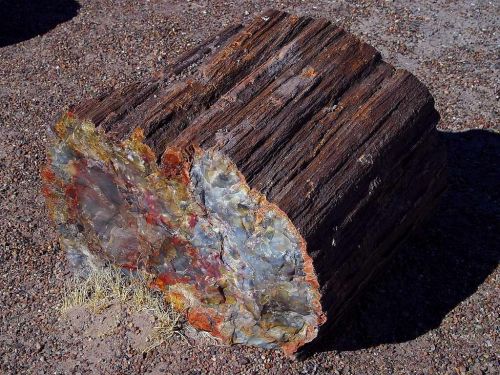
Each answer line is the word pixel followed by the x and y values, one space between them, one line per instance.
pixel 49 179
pixel 137 139
pixel 151 218
pixel 167 279
pixel 50 182
pixel 60 129
pixel 129 266
pixel 47 192
pixel 206 319
pixel 177 241
pixel 47 175
pixel 290 348
pixel 175 166
pixel 177 300
pixel 71 193
pixel 309 72
pixel 61 126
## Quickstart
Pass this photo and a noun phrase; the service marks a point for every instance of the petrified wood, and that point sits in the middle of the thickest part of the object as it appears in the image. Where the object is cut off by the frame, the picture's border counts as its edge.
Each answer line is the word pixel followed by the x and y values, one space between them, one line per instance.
pixel 267 146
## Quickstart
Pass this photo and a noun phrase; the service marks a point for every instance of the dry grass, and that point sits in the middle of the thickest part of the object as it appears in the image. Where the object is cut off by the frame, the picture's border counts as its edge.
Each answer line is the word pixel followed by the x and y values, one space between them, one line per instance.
pixel 105 287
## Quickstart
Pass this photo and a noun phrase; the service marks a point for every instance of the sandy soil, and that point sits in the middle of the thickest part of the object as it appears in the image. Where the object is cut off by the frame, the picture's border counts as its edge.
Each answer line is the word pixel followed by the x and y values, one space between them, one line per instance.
pixel 437 308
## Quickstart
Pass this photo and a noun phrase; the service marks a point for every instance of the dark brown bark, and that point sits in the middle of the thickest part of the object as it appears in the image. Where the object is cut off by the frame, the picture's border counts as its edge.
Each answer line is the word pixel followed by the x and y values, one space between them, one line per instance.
pixel 341 141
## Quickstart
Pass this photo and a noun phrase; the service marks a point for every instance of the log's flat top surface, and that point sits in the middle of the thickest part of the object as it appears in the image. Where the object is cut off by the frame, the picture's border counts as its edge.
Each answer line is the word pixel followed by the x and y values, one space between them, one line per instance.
pixel 277 67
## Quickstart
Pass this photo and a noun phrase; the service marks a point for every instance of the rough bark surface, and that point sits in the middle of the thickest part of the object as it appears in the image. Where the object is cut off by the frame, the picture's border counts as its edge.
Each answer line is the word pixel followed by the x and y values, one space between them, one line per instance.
pixel 314 119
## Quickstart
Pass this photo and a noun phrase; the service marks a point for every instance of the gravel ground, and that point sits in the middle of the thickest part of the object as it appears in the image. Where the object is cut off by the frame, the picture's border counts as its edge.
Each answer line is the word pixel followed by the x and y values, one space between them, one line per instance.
pixel 437 308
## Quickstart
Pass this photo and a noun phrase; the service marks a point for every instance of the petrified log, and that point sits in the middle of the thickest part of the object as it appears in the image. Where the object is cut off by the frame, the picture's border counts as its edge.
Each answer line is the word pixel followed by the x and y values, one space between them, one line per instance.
pixel 267 146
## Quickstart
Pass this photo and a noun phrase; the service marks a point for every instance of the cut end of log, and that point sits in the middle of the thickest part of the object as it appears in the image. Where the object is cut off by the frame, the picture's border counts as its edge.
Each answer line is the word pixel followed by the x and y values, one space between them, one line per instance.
pixel 231 261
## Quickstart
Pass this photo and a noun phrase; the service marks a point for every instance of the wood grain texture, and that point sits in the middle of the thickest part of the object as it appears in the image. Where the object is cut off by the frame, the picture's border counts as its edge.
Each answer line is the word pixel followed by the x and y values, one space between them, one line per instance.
pixel 341 141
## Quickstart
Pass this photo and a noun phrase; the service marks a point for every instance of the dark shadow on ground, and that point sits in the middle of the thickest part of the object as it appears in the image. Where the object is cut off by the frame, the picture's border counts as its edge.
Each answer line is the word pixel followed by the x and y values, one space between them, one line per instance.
pixel 444 262
pixel 24 19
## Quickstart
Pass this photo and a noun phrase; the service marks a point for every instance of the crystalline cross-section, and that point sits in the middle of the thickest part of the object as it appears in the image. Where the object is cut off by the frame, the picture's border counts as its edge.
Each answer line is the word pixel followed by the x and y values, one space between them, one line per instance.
pixel 232 262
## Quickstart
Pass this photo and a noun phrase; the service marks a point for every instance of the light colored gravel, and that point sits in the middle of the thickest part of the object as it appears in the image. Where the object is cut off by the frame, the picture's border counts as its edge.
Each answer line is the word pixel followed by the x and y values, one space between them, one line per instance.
pixel 435 311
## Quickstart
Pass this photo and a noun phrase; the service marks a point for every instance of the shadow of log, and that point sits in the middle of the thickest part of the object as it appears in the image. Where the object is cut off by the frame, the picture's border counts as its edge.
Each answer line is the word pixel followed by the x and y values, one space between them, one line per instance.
pixel 442 264
pixel 24 19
